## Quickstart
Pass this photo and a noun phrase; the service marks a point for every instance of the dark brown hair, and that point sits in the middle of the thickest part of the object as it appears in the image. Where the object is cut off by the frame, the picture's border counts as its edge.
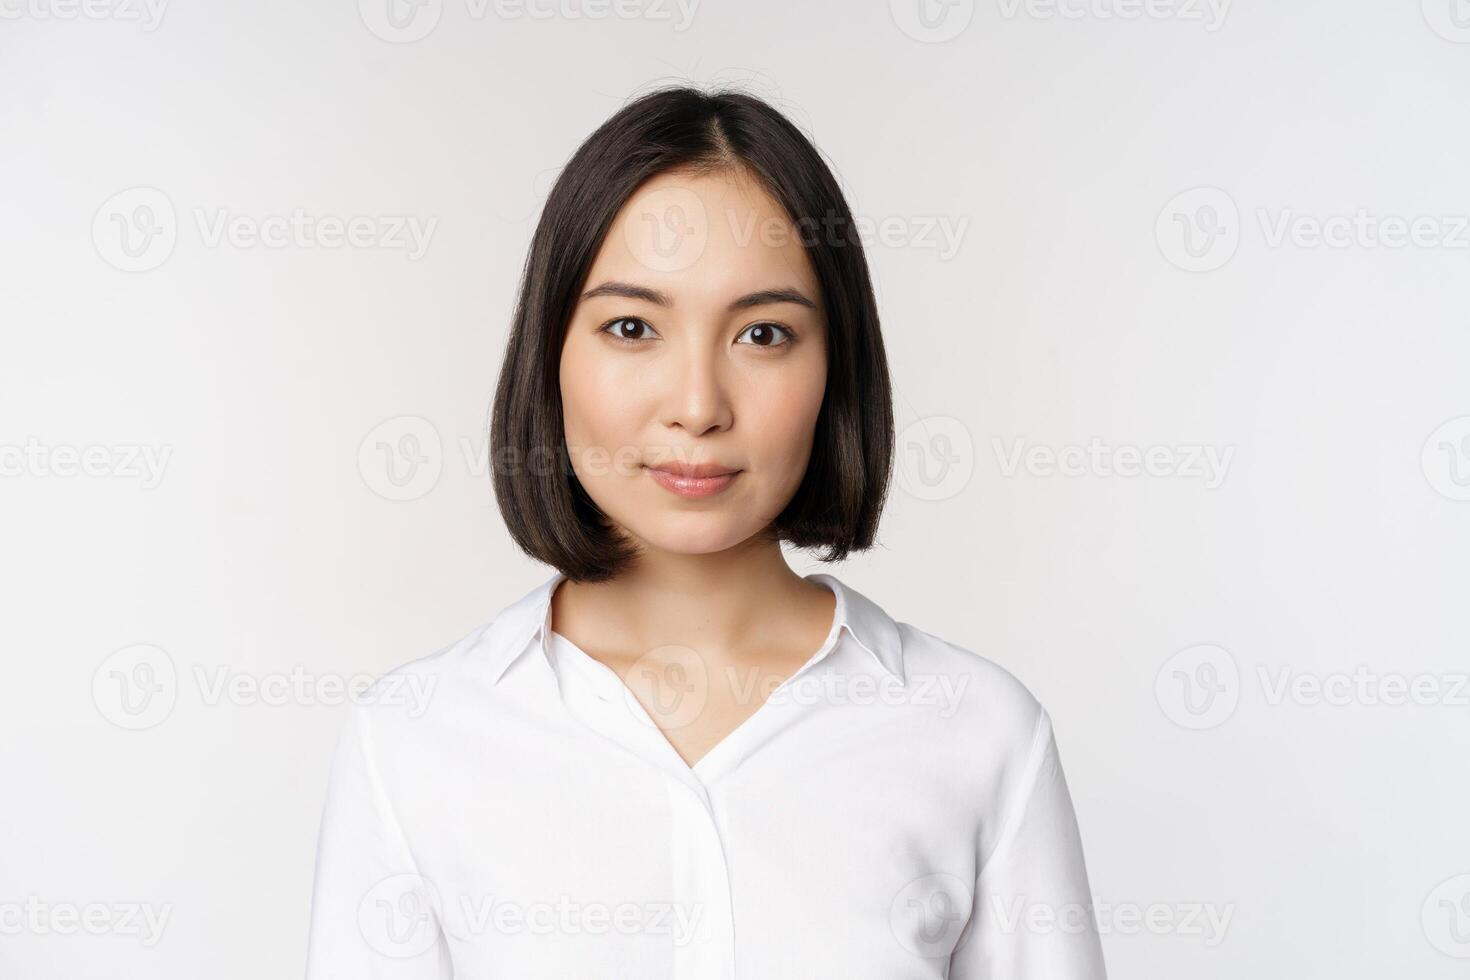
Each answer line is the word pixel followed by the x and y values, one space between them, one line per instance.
pixel 841 496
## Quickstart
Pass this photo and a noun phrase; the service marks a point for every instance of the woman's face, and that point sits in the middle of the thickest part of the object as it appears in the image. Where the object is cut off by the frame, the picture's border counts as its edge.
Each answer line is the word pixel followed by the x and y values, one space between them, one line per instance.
pixel 698 343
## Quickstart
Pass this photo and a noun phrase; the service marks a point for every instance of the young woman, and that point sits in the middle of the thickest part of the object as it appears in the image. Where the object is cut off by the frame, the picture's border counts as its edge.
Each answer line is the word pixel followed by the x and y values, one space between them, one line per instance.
pixel 676 757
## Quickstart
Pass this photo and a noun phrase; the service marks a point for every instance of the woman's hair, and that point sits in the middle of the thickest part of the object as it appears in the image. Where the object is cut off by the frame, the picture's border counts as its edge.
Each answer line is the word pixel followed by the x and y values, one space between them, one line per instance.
pixel 841 496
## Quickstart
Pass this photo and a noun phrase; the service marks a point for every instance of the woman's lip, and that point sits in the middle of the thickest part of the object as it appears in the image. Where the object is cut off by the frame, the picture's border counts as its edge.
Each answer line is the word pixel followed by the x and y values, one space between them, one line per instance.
pixel 691 486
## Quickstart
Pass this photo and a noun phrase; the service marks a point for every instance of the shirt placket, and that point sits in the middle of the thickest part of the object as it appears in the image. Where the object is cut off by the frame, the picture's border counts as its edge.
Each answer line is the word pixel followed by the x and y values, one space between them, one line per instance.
pixel 700 918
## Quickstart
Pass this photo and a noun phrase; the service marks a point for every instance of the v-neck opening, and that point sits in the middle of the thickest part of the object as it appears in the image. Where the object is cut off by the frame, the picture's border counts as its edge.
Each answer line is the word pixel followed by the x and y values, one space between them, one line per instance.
pixel 586 662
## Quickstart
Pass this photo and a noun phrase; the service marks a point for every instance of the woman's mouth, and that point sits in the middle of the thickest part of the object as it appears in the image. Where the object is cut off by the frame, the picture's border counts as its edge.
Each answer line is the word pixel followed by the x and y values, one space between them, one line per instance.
pixel 692 482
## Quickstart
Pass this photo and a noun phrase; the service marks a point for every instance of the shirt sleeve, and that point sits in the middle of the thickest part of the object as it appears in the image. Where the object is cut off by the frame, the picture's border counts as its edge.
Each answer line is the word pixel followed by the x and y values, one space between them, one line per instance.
pixel 1033 916
pixel 373 915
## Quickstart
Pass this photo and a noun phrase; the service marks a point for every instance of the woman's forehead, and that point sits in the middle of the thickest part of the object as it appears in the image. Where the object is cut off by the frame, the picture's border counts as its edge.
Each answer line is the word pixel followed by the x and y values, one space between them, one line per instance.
pixel 705 237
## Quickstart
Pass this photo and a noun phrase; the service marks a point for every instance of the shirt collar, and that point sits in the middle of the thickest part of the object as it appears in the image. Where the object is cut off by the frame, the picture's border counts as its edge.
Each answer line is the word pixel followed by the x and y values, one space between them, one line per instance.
pixel 526 619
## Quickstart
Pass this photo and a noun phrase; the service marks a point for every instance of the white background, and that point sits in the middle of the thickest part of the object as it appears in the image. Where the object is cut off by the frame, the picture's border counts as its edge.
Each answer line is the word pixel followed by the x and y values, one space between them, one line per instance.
pixel 1056 140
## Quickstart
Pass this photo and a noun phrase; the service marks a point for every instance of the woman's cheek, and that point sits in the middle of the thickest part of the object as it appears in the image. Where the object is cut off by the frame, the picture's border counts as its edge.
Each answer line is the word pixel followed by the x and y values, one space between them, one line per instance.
pixel 787 424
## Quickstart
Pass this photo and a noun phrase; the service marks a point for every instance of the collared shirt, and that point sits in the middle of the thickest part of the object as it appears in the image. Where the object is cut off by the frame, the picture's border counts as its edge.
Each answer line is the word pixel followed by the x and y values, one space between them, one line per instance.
pixel 895 809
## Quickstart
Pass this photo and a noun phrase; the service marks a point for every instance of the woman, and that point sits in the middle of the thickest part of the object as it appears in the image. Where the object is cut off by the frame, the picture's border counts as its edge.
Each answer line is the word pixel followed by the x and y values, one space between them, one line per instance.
pixel 641 768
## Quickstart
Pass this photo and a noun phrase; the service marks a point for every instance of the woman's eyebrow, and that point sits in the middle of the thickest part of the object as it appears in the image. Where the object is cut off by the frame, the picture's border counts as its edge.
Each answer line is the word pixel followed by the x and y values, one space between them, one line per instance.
pixel 764 297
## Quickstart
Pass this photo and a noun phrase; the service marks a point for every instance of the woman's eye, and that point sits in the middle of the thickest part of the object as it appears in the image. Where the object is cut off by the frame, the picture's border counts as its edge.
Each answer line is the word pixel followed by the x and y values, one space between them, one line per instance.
pixel 767 334
pixel 626 328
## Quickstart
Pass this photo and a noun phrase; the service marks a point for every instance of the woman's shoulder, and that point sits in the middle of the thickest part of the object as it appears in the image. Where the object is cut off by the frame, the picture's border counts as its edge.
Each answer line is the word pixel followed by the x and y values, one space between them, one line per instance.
pixel 487 645
pixel 407 710
pixel 974 688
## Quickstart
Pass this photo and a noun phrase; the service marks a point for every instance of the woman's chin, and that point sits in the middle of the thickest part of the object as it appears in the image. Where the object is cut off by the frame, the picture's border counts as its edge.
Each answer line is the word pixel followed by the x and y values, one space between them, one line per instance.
pixel 691 534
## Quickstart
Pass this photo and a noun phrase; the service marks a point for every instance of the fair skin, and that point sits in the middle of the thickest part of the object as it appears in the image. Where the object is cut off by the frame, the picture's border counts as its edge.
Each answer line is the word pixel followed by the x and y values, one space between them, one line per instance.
pixel 718 355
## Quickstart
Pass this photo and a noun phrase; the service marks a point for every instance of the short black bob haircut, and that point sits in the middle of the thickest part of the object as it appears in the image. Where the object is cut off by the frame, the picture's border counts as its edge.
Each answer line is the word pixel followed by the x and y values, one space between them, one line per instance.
pixel 676 128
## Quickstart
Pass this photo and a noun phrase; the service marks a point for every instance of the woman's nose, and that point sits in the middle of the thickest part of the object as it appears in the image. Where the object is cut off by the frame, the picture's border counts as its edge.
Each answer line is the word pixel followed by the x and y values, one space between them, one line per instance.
pixel 697 396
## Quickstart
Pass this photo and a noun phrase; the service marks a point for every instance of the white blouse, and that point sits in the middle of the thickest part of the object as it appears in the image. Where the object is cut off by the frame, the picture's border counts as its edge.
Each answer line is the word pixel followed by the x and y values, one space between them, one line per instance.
pixel 894 810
